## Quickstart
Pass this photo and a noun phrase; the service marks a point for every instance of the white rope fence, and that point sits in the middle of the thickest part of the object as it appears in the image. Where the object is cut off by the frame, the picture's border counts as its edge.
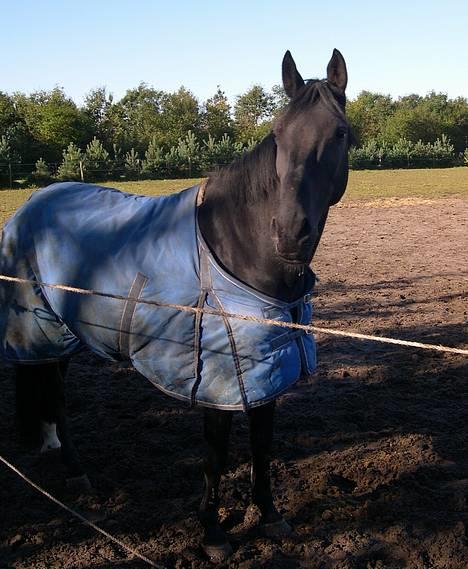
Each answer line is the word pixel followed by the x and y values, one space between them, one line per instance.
pixel 267 321
pixel 76 514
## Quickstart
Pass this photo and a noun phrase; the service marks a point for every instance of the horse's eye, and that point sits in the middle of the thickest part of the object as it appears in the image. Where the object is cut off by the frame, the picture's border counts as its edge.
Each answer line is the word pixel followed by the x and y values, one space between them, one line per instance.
pixel 341 132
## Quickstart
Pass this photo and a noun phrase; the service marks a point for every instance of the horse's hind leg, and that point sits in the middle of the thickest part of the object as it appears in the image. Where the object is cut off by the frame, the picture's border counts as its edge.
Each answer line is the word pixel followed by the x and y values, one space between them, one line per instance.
pixel 50 399
pixel 47 407
pixel 217 427
pixel 54 400
pixel 261 437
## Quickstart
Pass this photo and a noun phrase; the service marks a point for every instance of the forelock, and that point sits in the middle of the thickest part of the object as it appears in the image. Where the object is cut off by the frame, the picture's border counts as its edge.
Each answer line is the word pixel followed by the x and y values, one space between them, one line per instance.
pixel 316 90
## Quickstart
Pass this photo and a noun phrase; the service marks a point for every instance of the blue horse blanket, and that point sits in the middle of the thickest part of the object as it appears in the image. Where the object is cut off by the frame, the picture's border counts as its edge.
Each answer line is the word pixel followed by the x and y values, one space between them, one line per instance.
pixel 146 248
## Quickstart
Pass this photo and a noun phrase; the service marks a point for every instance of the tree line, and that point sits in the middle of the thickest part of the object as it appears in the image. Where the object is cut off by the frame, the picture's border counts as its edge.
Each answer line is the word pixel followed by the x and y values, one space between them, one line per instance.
pixel 156 133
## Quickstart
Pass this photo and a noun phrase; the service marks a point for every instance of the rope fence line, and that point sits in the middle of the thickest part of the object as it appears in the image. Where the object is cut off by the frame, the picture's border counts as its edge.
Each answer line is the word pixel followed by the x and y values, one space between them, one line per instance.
pixel 267 321
pixel 77 515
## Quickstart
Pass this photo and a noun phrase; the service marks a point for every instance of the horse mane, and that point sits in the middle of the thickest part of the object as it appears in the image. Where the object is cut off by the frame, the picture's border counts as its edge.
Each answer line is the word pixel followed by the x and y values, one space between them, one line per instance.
pixel 252 176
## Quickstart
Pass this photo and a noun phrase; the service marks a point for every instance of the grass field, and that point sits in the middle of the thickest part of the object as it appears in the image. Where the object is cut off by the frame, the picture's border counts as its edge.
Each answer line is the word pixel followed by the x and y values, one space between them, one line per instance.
pixel 363 185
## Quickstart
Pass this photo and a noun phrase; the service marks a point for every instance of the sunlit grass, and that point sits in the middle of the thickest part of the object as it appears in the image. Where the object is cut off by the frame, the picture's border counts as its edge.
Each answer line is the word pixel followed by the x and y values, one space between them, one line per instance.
pixel 428 183
pixel 363 185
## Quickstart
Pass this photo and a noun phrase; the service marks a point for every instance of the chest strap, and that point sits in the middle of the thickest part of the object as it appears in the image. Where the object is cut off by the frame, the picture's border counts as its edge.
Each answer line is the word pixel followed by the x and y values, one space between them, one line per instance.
pixel 206 287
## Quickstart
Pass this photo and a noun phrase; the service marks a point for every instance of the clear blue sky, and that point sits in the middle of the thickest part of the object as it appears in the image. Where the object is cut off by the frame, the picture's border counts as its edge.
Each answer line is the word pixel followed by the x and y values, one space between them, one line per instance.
pixel 397 47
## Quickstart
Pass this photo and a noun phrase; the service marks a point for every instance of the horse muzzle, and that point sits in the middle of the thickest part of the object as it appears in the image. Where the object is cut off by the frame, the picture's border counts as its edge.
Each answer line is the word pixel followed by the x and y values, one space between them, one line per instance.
pixel 294 247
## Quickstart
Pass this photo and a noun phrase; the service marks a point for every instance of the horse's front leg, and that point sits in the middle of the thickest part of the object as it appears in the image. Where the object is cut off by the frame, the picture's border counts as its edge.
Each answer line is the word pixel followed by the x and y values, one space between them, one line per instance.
pixel 217 427
pixel 261 436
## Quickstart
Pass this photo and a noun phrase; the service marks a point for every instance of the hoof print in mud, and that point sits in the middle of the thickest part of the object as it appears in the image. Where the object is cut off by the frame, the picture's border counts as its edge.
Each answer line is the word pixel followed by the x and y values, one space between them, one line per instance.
pixel 79 484
pixel 280 528
pixel 218 553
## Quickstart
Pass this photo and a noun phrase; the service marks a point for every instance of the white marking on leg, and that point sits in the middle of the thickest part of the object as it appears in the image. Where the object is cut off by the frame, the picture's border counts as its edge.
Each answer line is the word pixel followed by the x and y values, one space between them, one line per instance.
pixel 50 440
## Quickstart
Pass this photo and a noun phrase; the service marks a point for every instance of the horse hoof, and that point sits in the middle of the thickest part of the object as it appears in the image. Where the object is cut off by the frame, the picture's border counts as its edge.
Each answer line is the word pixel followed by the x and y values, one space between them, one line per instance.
pixel 280 528
pixel 218 553
pixel 79 484
pixel 49 449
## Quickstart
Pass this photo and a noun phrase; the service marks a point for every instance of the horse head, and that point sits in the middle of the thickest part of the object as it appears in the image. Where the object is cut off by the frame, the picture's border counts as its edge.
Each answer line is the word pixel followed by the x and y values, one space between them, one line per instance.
pixel 312 138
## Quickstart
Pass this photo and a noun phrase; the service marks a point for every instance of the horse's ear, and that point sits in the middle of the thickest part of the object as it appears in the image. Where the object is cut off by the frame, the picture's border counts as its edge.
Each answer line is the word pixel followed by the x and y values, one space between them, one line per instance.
pixel 336 71
pixel 292 80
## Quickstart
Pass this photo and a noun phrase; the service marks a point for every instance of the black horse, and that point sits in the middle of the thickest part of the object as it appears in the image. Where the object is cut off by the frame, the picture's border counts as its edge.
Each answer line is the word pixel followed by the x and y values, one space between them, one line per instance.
pixel 262 218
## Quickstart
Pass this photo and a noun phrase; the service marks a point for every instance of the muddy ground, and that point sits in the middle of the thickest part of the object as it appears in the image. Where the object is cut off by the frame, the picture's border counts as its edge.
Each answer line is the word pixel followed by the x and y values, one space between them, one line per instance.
pixel 370 453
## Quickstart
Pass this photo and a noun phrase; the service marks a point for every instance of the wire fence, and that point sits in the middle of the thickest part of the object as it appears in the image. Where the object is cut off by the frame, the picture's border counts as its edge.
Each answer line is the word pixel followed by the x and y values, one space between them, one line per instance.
pixel 23 174
pixel 20 174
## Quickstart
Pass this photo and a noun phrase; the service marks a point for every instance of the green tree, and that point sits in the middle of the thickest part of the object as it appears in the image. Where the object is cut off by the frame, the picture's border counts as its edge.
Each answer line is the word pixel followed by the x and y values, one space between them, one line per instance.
pixel 7 152
pixel 413 124
pixel 180 113
pixel 216 117
pixel 97 107
pixel 5 149
pixel 136 118
pixel 53 120
pixel 253 113
pixel 8 115
pixel 368 115
pixel 456 125
pixel 280 99
pixel 14 128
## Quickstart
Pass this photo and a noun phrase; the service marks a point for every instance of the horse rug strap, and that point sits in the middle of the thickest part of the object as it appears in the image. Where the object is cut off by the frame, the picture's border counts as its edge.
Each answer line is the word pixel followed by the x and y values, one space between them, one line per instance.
pixel 127 314
pixel 148 248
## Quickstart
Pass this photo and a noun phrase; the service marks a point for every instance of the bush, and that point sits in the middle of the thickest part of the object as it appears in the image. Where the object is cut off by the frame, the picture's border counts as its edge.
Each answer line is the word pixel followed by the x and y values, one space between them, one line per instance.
pixel 96 161
pixel 188 150
pixel 443 151
pixel 72 166
pixel 173 162
pixel 221 152
pixel 132 165
pixel 403 154
pixel 193 157
pixel 367 156
pixel 41 174
pixel 154 164
pixel 5 152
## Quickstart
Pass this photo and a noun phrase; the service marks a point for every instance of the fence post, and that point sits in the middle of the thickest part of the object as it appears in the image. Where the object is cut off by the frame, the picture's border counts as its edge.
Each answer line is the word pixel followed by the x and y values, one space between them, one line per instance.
pixel 81 171
pixel 10 175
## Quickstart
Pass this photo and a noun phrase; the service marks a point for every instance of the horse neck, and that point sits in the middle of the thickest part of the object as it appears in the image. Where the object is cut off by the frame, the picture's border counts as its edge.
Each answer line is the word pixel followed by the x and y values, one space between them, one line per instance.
pixel 236 224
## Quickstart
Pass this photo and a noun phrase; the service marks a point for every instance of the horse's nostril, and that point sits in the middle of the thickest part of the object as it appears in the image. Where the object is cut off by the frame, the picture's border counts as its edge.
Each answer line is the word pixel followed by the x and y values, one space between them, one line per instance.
pixel 305 230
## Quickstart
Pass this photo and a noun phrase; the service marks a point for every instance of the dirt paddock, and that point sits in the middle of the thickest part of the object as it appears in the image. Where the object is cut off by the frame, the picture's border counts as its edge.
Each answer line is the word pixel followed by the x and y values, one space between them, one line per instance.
pixel 370 452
